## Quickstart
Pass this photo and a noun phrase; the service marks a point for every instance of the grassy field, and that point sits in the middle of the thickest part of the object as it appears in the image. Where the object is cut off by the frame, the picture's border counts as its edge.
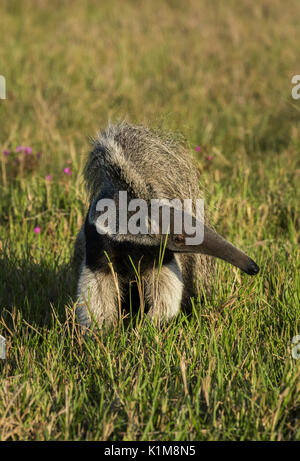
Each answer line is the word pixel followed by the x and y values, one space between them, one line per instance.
pixel 220 73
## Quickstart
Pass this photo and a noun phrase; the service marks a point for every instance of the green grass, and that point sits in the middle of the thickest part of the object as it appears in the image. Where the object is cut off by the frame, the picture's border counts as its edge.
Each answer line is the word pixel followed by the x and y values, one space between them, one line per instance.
pixel 219 72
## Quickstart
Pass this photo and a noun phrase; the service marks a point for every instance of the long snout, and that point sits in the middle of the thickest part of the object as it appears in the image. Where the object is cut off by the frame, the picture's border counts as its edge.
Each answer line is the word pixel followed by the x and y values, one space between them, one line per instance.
pixel 215 245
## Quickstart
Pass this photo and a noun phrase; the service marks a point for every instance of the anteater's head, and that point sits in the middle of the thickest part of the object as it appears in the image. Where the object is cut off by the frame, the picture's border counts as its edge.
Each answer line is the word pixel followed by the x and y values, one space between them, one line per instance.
pixel 199 238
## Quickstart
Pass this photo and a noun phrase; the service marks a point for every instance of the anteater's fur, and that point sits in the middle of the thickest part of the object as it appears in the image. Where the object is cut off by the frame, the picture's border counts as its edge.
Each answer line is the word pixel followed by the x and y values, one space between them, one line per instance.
pixel 147 164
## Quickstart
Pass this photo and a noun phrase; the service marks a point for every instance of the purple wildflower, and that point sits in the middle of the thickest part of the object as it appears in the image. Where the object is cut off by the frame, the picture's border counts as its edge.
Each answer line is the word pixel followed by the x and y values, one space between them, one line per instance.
pixel 198 148
pixel 37 230
pixel 68 171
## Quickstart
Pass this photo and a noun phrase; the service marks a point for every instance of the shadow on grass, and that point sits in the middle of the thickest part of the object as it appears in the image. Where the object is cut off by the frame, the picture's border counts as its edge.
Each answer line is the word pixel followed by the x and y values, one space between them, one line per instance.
pixel 32 287
pixel 37 288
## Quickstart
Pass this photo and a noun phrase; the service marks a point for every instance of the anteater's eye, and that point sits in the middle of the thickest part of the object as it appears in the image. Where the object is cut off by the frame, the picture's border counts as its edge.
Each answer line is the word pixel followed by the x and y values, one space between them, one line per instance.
pixel 180 239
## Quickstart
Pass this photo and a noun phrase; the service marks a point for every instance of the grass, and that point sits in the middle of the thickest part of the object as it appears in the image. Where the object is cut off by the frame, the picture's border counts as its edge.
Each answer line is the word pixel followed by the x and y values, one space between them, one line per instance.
pixel 219 72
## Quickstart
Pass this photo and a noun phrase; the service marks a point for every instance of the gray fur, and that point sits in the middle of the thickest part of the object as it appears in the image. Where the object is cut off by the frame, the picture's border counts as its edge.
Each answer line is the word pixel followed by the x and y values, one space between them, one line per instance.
pixel 147 164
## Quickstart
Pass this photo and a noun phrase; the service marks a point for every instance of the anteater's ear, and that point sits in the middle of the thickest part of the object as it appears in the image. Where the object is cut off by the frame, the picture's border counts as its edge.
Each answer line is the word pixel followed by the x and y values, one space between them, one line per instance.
pixel 210 243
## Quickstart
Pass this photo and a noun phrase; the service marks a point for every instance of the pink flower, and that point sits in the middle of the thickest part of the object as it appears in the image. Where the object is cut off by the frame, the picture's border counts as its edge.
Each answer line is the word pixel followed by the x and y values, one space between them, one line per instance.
pixel 210 157
pixel 68 171
pixel 19 148
pixel 37 230
pixel 28 150
pixel 198 148
pixel 39 154
pixel 48 177
pixel 6 152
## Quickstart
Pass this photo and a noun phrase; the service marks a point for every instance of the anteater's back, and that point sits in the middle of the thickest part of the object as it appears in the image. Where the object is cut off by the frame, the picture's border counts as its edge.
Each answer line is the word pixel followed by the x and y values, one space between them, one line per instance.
pixel 152 163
